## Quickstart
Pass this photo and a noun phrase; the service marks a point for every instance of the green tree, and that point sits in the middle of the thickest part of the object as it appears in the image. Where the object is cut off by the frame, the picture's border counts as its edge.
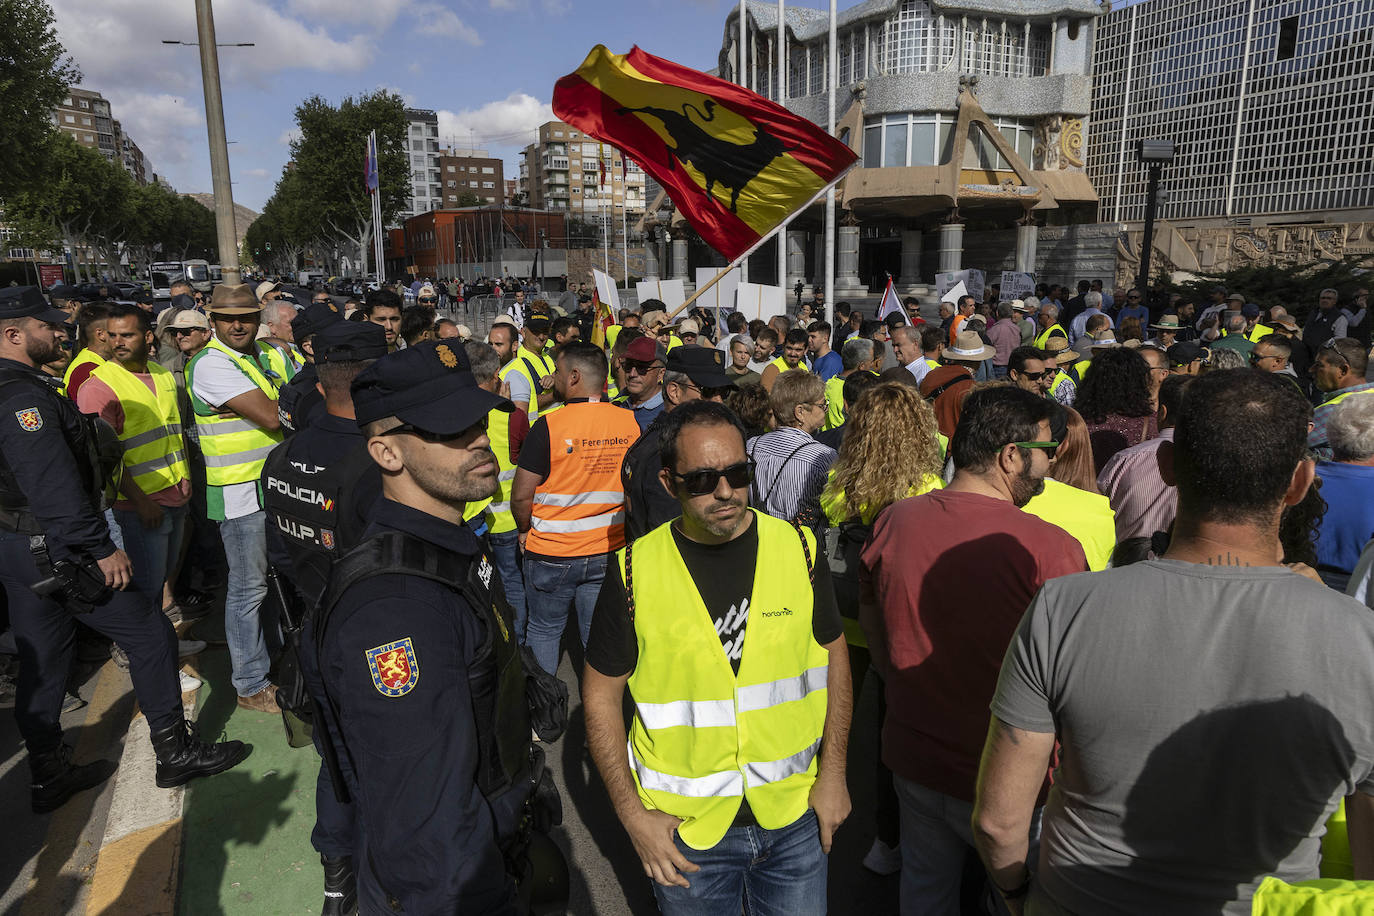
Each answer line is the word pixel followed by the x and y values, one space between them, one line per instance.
pixel 328 163
pixel 469 199
pixel 289 224
pixel 1294 288
pixel 35 74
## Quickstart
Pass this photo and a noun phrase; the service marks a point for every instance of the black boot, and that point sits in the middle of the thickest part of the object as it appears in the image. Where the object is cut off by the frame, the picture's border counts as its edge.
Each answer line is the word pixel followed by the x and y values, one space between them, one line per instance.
pixel 182 756
pixel 55 779
pixel 340 886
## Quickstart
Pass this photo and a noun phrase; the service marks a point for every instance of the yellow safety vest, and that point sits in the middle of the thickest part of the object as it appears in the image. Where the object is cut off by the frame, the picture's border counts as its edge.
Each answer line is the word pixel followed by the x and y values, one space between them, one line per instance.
pixel 84 358
pixel 234 447
pixel 612 332
pixel 1337 398
pixel 1086 516
pixel 1258 331
pixel 1080 368
pixel 704 737
pixel 1044 337
pixel 834 399
pixel 1318 897
pixel 783 367
pixel 154 451
pixel 526 363
pixel 499 518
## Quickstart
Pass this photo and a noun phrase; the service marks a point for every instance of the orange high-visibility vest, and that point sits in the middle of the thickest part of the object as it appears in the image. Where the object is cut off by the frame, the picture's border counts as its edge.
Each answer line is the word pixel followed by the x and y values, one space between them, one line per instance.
pixel 579 510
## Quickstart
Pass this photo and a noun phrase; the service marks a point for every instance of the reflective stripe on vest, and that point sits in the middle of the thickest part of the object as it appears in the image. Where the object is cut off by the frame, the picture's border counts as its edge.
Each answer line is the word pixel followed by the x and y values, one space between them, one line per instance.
pixel 703 736
pixel 499 518
pixel 154 453
pixel 234 448
pixel 579 509
pixel 1044 337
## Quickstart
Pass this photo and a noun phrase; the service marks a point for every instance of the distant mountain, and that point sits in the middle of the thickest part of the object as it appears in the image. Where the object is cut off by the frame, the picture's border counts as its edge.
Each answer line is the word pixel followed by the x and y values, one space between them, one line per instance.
pixel 243 217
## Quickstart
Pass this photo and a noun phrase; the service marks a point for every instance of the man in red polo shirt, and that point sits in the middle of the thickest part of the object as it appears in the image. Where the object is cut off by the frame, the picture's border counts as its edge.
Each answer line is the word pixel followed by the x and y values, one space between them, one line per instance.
pixel 944 582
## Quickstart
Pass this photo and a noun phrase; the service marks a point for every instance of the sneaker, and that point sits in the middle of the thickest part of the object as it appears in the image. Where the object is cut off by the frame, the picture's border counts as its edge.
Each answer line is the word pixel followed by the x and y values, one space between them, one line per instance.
pixel 883 859
pixel 8 689
pixel 71 701
pixel 189 682
pixel 265 700
pixel 118 657
pixel 180 611
pixel 188 647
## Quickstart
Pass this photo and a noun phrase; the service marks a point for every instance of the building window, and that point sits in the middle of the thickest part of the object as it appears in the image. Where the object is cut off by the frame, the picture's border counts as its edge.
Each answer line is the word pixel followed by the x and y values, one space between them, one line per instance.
pixel 85 103
pixel 70 119
pixel 488 170
pixel 452 169
pixel 488 184
pixel 815 69
pixel 1288 38
pixel 796 71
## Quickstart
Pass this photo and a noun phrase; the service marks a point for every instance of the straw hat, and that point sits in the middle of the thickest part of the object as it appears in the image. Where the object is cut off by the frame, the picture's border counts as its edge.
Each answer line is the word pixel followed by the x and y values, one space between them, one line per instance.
pixel 968 347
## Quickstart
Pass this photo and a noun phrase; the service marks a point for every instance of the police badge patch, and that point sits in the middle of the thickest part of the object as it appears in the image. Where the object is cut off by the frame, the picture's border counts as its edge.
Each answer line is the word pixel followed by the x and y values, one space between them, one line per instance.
pixel 30 420
pixel 395 670
pixel 327 538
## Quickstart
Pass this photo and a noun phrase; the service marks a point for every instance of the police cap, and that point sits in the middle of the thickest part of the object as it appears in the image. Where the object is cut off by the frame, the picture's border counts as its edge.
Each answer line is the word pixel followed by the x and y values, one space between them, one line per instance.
pixel 28 302
pixel 705 366
pixel 314 318
pixel 1183 353
pixel 429 386
pixel 348 340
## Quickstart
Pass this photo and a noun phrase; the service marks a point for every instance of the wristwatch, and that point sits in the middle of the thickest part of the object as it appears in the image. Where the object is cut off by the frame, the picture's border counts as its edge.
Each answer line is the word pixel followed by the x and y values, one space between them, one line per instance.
pixel 1016 893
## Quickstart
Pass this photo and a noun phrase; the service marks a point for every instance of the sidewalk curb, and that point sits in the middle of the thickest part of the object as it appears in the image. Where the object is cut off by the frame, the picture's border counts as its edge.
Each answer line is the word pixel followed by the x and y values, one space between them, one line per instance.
pixel 137 871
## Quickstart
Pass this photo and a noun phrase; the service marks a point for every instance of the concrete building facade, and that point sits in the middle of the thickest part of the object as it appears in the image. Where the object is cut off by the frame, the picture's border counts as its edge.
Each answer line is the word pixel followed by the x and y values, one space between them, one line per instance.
pixel 87 117
pixel 422 149
pixel 563 168
pixel 471 171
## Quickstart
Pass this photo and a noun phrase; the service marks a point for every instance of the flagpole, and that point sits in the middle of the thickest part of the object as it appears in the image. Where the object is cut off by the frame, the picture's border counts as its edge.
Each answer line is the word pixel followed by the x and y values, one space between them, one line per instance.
pixel 831 62
pixel 743 80
pixel 780 93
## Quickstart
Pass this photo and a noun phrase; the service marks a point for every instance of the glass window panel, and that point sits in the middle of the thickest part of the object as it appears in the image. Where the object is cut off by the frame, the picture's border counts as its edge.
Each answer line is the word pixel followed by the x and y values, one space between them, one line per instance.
pixel 923 143
pixel 894 144
pixel 873 147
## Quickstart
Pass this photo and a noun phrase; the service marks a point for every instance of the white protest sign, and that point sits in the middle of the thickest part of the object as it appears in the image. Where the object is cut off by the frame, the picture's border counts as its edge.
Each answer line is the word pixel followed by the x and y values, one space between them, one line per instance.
pixel 722 295
pixel 1016 285
pixel 669 292
pixel 754 300
pixel 972 279
pixel 955 293
pixel 606 291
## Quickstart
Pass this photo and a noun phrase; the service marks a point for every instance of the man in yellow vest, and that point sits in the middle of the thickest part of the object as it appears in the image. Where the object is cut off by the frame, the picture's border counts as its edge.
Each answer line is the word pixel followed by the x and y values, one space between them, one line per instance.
pixel 94 346
pixel 723 625
pixel 1339 372
pixel 507 431
pixel 138 398
pixel 234 383
pixel 1048 325
pixel 530 371
pixel 793 356
pixel 568 501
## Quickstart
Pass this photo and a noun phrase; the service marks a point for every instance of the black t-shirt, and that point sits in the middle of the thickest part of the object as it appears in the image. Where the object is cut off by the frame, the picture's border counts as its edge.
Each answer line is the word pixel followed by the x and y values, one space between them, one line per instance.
pixel 724 575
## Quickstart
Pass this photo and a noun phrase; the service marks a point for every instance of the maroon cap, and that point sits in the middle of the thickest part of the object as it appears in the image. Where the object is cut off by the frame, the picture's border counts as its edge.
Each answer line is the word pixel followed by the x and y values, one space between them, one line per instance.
pixel 644 350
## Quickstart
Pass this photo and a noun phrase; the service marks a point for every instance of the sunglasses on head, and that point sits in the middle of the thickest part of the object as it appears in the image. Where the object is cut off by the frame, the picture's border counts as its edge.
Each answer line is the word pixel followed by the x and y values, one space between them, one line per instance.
pixel 428 436
pixel 700 483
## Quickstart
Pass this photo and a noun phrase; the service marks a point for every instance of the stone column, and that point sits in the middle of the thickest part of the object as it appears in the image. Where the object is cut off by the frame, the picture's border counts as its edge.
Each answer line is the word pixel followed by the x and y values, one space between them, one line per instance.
pixel 1027 237
pixel 651 254
pixel 911 281
pixel 679 260
pixel 951 246
pixel 847 261
pixel 796 261
pixel 818 275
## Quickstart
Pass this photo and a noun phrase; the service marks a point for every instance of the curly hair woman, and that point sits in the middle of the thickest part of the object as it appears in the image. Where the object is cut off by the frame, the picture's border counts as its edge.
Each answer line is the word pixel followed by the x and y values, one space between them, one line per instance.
pixel 1114 400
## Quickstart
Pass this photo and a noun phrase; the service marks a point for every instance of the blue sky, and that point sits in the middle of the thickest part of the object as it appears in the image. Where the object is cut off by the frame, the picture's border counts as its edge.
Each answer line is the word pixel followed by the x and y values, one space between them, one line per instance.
pixel 488 66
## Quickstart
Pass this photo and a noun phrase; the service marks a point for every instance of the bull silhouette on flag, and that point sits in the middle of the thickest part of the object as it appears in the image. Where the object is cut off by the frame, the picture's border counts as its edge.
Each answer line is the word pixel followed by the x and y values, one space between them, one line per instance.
pixel 735 164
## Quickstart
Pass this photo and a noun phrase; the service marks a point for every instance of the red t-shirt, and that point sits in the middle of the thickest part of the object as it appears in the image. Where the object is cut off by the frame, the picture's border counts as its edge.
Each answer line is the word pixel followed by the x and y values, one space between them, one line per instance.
pixel 952 573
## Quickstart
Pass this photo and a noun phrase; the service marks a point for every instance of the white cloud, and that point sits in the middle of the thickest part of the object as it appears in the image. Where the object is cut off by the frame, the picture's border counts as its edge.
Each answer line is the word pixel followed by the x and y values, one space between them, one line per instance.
pixel 433 19
pixel 555 7
pixel 407 98
pixel 289 136
pixel 256 173
pixel 378 14
pixel 511 121
pixel 166 127
pixel 504 4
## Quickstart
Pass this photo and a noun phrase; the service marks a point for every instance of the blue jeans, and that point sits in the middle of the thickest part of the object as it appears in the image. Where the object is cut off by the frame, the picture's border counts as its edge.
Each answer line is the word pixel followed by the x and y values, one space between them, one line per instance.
pixel 552 585
pixel 505 550
pixel 245 546
pixel 755 871
pixel 152 551
pixel 937 835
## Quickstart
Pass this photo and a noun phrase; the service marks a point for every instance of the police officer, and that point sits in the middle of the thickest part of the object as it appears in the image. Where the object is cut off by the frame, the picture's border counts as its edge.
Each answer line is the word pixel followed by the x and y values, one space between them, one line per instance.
pixel 693 373
pixel 299 401
pixel 57 560
pixel 424 675
pixel 326 464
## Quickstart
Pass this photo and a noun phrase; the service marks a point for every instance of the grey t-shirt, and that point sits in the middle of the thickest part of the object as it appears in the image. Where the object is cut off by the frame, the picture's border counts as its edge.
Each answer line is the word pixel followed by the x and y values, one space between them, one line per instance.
pixel 1211 719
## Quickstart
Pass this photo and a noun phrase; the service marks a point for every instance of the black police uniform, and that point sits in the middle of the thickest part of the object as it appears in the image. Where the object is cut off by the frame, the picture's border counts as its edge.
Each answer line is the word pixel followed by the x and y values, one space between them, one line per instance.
pixel 299 403
pixel 422 709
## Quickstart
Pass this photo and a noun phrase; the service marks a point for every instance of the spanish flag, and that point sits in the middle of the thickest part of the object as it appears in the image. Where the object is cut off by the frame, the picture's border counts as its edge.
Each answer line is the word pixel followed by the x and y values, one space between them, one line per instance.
pixel 735 164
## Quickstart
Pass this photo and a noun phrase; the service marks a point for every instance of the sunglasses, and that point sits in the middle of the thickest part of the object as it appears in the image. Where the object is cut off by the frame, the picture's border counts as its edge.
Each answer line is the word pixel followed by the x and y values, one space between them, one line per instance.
pixel 182 332
pixel 1034 376
pixel 1049 447
pixel 323 300
pixel 427 300
pixel 700 483
pixel 428 436
pixel 635 367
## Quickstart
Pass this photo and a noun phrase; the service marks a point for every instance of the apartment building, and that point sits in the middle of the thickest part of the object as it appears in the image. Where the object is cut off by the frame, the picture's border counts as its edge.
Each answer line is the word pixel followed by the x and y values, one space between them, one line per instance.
pixel 86 116
pixel 471 172
pixel 422 141
pixel 567 170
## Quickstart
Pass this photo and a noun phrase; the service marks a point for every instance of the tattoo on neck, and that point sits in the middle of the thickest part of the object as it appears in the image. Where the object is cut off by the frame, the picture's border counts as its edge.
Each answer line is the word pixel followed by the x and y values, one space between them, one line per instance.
pixel 1226 559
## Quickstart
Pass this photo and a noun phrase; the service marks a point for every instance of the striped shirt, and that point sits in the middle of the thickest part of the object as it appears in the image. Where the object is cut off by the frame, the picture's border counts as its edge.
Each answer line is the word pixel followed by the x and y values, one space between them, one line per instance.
pixel 790 473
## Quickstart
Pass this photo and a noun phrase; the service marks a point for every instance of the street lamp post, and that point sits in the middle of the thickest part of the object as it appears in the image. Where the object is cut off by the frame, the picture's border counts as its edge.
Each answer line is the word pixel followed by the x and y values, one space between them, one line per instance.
pixel 219 148
pixel 1153 154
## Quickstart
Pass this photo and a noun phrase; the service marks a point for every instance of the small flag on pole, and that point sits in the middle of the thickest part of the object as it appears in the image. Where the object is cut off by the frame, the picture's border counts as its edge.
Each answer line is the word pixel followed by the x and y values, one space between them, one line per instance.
pixel 890 305
pixel 601 163
pixel 370 178
pixel 735 164
pixel 603 320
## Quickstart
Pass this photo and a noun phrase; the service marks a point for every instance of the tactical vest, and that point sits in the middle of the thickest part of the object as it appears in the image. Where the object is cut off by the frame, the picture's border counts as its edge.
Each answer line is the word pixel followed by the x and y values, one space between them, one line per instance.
pixel 704 737
pixel 95 449
pixel 307 506
pixel 154 451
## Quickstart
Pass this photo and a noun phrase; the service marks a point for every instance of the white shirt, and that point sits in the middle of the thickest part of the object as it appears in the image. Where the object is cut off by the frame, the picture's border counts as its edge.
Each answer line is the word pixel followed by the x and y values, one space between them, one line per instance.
pixel 1078 327
pixel 919 368
pixel 216 381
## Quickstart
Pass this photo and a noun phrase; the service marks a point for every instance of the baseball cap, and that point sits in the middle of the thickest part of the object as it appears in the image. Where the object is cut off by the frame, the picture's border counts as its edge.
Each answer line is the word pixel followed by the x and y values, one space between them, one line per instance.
pixel 1250 310
pixel 688 326
pixel 348 340
pixel 28 302
pixel 189 318
pixel 645 350
pixel 429 386
pixel 705 366
pixel 537 322
pixel 314 318
pixel 265 287
pixel 1181 354
pixel 1235 297
pixel 236 299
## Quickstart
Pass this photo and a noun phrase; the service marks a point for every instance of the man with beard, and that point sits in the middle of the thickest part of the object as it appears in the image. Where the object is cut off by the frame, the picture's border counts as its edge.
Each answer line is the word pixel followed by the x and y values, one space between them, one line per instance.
pixel 722 583
pixel 939 614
